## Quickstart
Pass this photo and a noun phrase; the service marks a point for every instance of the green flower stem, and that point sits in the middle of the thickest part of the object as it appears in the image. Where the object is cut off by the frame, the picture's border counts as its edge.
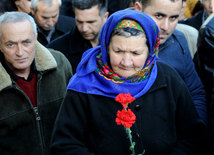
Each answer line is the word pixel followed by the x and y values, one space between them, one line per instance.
pixel 128 131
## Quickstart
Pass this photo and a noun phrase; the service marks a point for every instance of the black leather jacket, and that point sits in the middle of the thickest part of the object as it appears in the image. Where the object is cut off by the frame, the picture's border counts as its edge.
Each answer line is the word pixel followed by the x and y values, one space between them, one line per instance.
pixel 204 59
pixel 204 62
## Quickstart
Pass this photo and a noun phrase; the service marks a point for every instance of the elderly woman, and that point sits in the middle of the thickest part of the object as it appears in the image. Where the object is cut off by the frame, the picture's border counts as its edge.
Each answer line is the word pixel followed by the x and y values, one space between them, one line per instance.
pixel 160 117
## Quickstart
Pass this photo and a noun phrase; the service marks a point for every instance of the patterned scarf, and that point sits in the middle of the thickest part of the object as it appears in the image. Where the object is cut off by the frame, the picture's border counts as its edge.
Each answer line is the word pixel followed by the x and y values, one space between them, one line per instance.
pixel 95 76
pixel 104 70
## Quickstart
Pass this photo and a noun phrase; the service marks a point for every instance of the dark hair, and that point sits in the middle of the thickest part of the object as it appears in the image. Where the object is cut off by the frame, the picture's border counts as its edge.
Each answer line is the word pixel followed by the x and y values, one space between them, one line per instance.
pixel 145 3
pixel 198 7
pixel 124 4
pixel 7 5
pixel 87 4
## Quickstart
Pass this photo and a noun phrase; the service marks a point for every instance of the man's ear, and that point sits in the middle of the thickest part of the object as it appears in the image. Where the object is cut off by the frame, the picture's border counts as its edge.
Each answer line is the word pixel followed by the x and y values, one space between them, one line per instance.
pixel 106 16
pixel 17 3
pixel 32 11
pixel 137 6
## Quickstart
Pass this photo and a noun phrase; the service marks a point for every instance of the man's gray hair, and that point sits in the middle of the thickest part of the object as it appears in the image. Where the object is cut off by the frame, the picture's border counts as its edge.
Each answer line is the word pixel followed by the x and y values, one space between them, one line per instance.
pixel 88 4
pixel 14 17
pixel 47 3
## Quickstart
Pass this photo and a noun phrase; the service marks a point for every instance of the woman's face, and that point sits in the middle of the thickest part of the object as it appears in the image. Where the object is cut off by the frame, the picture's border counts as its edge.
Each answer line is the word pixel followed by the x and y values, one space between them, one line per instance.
pixel 127 55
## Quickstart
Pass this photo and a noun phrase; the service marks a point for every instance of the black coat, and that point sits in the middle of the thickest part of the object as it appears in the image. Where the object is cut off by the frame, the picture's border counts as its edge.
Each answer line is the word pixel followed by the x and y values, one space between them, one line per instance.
pixel 195 21
pixel 72 45
pixel 67 9
pixel 63 25
pixel 166 122
pixel 205 57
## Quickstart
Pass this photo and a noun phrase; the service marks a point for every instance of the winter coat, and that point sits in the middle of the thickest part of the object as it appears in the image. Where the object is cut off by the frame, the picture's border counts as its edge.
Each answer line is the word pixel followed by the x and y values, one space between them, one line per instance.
pixel 194 21
pixel 72 45
pixel 175 53
pixel 24 129
pixel 63 25
pixel 166 122
pixel 204 63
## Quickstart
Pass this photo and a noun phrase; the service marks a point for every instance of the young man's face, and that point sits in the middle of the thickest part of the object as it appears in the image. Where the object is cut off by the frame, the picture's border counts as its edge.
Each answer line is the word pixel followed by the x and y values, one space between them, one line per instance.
pixel 18 45
pixel 89 22
pixel 165 13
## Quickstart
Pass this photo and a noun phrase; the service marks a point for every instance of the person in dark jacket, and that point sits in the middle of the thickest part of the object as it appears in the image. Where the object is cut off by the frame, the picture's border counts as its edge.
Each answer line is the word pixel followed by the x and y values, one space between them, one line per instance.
pixel 67 9
pixel 161 119
pixel 197 20
pixel 33 83
pixel 174 49
pixel 15 5
pixel 204 62
pixel 72 45
pixel 90 16
pixel 51 25
pixel 7 5
pixel 112 6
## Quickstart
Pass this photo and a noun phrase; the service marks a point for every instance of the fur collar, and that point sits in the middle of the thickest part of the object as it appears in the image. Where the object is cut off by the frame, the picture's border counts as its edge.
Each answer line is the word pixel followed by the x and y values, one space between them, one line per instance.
pixel 44 60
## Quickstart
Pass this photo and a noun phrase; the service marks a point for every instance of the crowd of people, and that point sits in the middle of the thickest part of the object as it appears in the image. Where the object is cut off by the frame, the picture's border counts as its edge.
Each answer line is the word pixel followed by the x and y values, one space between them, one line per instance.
pixel 90 77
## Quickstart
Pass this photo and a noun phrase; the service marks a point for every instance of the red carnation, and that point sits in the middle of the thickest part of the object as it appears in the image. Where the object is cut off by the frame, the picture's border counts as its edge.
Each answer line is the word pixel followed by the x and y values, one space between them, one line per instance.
pixel 124 99
pixel 126 118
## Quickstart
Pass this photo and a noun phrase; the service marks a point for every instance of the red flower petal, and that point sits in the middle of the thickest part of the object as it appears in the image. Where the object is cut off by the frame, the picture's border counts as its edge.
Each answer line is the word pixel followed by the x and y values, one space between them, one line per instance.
pixel 124 99
pixel 126 118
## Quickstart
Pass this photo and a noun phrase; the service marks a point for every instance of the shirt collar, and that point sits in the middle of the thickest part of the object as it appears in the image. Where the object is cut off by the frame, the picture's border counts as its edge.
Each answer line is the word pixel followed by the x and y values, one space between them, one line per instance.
pixel 14 76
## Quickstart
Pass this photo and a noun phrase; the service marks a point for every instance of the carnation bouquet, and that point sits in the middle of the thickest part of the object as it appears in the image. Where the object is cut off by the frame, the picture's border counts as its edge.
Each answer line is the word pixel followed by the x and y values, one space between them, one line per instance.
pixel 126 117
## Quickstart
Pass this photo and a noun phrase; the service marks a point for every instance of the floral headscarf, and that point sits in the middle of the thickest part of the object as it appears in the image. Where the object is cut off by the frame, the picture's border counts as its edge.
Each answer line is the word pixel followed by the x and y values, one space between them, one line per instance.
pixel 90 77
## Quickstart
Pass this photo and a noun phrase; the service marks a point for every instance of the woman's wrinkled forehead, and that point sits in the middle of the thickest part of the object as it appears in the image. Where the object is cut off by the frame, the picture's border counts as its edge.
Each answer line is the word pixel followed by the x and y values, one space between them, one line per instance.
pixel 117 19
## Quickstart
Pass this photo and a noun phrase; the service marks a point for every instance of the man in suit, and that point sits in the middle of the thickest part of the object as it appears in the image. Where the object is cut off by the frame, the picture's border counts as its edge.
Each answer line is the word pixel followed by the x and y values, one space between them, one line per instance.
pixel 90 15
pixel 51 25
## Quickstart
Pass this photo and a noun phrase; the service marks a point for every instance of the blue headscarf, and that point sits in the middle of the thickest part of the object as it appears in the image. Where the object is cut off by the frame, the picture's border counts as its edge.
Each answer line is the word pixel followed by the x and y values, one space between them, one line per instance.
pixel 88 80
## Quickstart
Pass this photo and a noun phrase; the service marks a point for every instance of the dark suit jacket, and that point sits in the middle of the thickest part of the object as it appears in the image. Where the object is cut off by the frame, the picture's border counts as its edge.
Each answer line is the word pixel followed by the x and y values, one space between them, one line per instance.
pixel 63 25
pixel 72 45
pixel 194 21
